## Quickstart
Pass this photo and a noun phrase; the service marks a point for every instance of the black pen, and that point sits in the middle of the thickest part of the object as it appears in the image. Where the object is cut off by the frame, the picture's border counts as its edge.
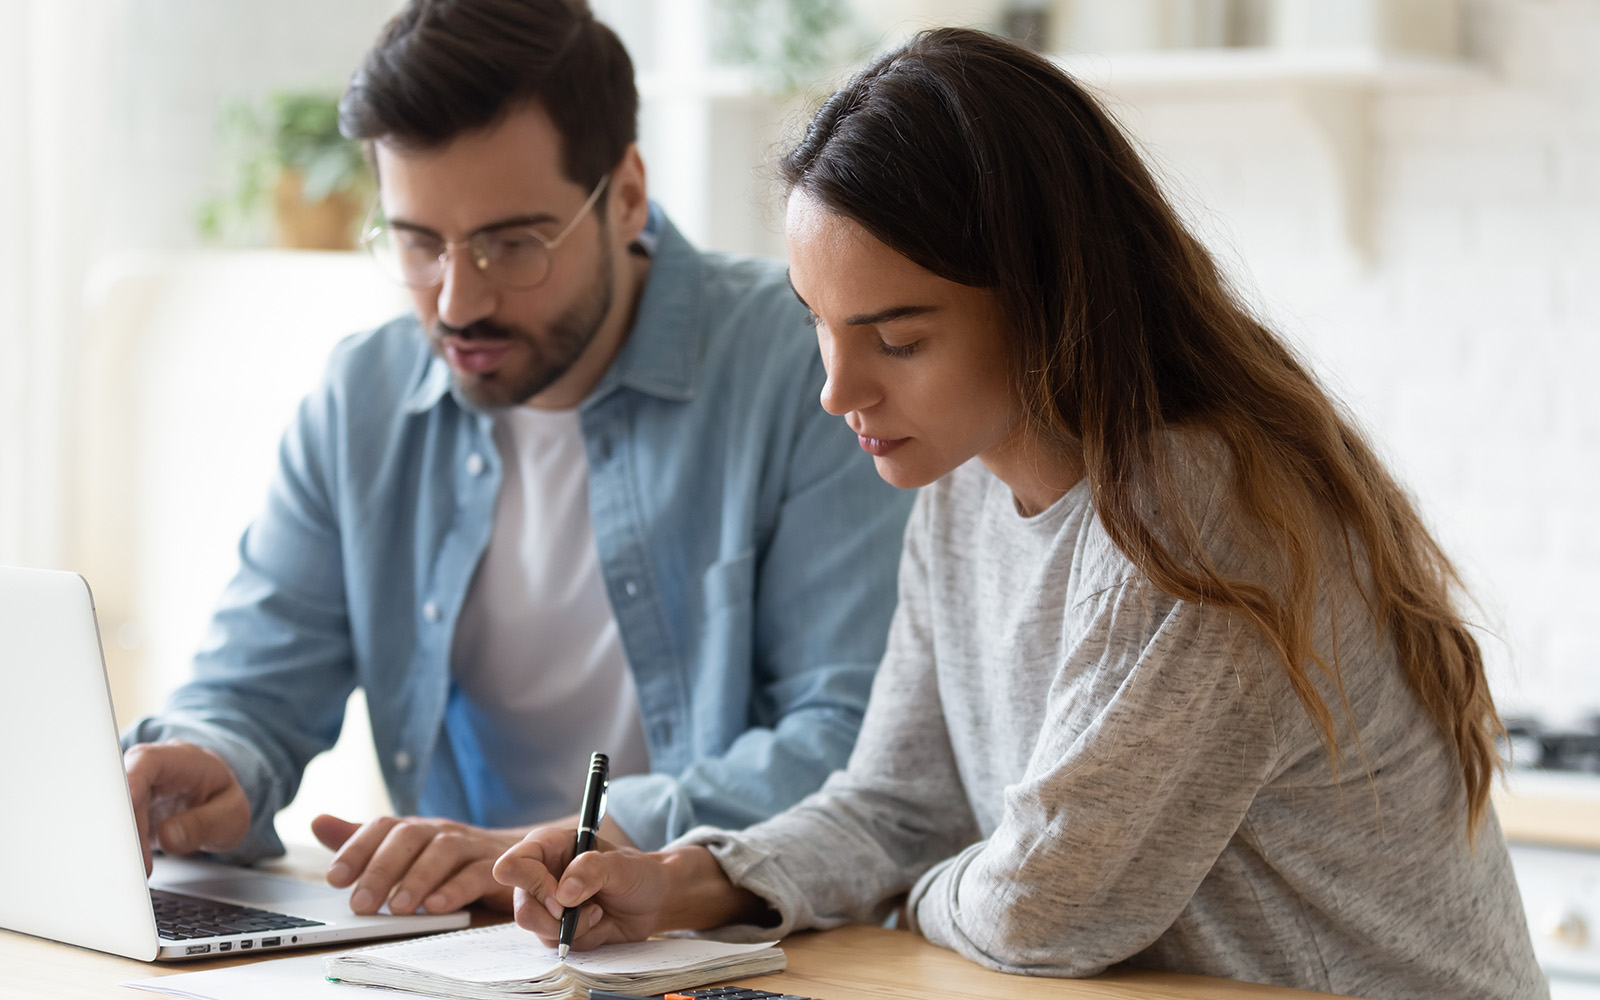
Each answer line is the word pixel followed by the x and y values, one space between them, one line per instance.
pixel 594 809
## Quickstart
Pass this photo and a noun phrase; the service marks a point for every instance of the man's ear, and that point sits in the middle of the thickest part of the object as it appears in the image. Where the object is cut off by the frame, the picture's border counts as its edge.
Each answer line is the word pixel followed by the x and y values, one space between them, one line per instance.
pixel 628 201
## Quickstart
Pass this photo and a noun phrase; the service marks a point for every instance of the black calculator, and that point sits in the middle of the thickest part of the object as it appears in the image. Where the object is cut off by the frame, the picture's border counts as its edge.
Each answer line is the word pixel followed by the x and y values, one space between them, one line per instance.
pixel 731 993
pixel 710 993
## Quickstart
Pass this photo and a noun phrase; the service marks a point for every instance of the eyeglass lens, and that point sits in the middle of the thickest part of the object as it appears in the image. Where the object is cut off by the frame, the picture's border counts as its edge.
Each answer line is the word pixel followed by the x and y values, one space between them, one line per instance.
pixel 515 257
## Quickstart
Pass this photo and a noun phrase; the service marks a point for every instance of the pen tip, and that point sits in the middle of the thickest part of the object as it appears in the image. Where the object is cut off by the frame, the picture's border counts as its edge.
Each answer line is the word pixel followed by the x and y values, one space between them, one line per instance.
pixel 561 952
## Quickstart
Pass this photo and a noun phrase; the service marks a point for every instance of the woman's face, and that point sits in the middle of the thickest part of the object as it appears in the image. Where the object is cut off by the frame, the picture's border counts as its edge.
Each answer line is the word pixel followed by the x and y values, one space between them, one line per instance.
pixel 916 363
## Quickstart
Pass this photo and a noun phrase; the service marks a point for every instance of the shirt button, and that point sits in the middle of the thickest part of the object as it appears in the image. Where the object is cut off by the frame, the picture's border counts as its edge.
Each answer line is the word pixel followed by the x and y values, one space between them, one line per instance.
pixel 402 761
pixel 430 611
pixel 475 465
pixel 631 588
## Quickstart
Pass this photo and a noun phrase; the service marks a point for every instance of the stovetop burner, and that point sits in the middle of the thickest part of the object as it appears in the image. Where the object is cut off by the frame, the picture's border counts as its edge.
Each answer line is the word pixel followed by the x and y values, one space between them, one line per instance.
pixel 1535 746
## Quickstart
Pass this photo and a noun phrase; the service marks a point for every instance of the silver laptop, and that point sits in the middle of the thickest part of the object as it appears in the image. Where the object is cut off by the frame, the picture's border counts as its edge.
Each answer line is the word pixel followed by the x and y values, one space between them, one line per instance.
pixel 70 865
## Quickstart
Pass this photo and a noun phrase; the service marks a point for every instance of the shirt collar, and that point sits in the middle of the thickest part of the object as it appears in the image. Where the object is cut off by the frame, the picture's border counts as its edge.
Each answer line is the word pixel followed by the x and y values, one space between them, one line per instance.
pixel 661 356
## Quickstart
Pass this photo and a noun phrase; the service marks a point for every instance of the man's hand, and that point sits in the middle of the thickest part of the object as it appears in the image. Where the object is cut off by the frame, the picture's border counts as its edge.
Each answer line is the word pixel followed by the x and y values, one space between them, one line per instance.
pixel 433 865
pixel 185 799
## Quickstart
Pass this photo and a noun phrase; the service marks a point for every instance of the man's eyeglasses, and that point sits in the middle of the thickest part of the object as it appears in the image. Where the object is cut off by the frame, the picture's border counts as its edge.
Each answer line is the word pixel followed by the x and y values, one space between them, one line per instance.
pixel 512 256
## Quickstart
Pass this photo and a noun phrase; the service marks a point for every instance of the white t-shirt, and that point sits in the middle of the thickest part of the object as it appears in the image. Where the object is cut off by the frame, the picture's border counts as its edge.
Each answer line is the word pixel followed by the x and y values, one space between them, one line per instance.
pixel 537 648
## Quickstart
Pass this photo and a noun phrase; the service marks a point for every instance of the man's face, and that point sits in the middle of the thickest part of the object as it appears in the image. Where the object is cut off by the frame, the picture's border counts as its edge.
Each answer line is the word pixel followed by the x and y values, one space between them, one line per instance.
pixel 506 346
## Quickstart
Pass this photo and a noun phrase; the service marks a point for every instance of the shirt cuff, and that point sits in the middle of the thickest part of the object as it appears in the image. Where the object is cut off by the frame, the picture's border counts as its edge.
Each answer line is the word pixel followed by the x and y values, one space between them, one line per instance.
pixel 749 868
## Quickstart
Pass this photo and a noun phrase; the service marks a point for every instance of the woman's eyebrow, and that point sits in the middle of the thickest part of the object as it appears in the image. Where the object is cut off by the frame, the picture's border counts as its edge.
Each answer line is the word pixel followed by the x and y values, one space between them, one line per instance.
pixel 889 315
pixel 869 319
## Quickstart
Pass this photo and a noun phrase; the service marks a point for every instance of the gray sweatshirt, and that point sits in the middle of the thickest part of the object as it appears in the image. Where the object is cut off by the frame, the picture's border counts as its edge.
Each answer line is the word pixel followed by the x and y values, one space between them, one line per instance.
pixel 1065 768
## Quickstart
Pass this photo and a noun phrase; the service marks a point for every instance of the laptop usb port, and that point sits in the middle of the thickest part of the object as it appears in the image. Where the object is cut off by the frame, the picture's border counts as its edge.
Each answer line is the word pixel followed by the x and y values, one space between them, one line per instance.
pixel 197 949
pixel 225 946
pixel 271 942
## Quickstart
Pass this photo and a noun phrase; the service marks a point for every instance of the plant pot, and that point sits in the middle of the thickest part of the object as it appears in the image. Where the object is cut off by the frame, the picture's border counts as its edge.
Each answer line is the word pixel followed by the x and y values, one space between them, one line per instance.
pixel 329 224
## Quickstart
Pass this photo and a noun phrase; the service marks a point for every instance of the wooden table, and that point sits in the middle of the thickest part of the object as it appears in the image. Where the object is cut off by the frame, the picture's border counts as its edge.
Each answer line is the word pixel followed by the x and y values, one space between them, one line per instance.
pixel 1548 819
pixel 853 963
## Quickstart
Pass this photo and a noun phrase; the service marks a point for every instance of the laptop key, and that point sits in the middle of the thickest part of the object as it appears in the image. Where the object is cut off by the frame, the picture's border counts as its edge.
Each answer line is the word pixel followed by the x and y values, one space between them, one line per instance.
pixel 180 917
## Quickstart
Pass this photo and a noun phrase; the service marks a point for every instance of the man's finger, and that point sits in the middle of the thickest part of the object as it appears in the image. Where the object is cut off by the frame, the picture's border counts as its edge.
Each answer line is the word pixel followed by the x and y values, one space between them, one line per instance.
pixel 331 831
pixel 350 860
pixel 400 848
pixel 176 767
pixel 472 883
pixel 220 822
pixel 450 852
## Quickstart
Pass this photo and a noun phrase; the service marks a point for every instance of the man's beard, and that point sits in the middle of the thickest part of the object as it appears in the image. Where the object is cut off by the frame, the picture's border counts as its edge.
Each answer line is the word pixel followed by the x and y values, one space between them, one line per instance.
pixel 547 358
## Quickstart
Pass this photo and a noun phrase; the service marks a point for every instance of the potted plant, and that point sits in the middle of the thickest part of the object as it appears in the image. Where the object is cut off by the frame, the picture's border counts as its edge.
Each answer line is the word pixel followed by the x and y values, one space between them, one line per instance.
pixel 288 162
pixel 787 44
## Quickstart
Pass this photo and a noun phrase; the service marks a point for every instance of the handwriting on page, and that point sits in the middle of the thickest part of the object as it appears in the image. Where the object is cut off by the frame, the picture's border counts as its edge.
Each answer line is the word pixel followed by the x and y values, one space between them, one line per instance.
pixel 506 952
pixel 652 956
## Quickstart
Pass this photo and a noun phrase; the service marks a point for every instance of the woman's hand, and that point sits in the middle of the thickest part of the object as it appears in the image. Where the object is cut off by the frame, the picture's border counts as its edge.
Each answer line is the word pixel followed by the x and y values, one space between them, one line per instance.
pixel 626 894
pixel 622 889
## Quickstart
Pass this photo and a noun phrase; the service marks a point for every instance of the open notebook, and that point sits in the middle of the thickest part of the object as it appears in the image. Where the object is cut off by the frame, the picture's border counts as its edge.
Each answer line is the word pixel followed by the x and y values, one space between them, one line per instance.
pixel 490 963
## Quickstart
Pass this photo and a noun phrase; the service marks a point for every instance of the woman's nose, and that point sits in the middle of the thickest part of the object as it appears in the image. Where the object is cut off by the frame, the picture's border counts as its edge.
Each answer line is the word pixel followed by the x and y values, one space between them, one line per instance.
pixel 848 386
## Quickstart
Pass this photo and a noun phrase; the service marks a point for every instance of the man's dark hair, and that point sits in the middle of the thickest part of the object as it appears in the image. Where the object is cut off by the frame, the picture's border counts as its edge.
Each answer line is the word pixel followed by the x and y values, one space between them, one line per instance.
pixel 442 68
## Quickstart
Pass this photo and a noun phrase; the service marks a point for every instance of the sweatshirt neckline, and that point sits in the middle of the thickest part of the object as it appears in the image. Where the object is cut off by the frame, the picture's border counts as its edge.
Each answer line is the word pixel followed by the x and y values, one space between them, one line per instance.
pixel 1047 521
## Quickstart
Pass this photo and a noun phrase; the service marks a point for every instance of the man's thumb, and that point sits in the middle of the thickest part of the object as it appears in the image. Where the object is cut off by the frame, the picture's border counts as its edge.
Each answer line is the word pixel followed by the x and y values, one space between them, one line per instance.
pixel 333 831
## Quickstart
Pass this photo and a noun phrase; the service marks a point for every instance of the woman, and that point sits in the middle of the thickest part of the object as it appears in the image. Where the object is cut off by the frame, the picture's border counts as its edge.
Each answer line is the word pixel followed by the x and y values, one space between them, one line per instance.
pixel 1177 676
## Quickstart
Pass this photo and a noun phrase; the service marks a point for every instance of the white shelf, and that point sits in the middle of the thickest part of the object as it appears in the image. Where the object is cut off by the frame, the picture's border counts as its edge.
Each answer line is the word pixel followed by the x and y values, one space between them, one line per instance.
pixel 1332 87
pixel 1208 70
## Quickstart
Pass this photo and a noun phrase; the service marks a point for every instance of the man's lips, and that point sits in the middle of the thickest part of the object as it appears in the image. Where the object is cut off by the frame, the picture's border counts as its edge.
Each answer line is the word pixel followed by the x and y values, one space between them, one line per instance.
pixel 878 447
pixel 475 357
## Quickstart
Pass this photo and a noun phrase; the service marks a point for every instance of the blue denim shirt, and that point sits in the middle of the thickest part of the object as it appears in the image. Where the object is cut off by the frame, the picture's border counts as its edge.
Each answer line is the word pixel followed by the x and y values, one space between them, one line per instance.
pixel 748 547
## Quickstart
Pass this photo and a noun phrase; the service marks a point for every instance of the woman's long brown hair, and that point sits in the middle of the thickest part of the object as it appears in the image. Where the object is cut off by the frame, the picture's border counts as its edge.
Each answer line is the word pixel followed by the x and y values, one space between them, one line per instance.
pixel 987 165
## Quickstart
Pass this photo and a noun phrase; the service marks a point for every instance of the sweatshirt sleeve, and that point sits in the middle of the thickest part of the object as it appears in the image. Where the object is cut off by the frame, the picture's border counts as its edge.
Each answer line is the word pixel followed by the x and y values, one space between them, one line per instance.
pixel 1117 818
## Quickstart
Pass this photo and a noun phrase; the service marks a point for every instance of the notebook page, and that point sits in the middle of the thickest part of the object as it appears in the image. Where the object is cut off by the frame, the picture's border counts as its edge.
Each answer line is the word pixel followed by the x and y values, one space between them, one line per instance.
pixel 659 955
pixel 506 952
pixel 481 955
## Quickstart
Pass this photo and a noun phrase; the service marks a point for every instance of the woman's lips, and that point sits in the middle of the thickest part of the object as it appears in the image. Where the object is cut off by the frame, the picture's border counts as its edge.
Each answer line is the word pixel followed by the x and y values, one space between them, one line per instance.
pixel 878 447
pixel 475 358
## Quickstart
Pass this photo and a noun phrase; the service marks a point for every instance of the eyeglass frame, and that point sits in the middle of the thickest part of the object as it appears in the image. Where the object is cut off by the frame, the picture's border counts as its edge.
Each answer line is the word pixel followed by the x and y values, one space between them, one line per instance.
pixel 480 261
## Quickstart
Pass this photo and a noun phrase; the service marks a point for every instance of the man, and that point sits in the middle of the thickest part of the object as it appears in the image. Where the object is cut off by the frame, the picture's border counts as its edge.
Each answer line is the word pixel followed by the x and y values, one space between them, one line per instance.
pixel 585 499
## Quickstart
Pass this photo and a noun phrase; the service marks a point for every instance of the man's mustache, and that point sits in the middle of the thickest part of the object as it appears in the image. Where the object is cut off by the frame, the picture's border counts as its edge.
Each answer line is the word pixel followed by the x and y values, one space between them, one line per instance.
pixel 482 329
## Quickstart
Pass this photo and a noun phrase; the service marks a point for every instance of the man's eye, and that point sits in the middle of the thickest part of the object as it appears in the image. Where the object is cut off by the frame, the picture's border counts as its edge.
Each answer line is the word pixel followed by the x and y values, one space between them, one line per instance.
pixel 898 350
pixel 514 242
pixel 417 243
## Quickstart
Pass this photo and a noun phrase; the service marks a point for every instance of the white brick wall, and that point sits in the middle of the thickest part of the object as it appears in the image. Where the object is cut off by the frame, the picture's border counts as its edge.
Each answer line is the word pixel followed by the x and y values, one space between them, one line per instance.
pixel 1470 343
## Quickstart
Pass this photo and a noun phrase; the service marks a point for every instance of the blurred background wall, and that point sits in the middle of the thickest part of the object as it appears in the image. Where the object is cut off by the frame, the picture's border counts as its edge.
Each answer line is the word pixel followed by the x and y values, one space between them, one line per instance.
pixel 1410 191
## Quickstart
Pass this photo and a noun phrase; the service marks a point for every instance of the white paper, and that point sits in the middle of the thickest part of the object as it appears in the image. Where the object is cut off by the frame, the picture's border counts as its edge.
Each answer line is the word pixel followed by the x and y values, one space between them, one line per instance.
pixel 506 952
pixel 268 979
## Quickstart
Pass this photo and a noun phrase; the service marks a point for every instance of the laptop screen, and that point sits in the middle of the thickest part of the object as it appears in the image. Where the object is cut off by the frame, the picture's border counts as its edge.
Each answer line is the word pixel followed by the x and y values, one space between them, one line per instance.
pixel 69 851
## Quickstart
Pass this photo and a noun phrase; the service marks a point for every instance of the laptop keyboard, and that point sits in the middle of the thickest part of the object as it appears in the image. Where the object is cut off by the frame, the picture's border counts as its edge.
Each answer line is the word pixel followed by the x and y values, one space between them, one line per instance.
pixel 182 918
